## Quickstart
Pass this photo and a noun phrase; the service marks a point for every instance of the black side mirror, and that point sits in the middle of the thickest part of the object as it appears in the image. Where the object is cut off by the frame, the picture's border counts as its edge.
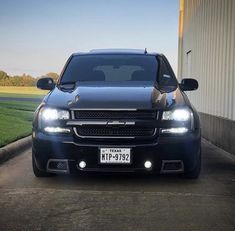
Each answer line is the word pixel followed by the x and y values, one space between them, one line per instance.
pixel 189 84
pixel 46 83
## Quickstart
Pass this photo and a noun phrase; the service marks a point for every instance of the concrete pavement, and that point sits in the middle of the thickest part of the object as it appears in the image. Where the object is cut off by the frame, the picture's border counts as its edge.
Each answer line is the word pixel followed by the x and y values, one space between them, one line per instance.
pixel 119 202
pixel 12 149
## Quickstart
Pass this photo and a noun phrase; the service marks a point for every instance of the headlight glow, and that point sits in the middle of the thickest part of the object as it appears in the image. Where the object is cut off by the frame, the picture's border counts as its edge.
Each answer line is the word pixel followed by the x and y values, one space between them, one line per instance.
pixel 181 115
pixel 177 114
pixel 56 130
pixel 54 114
pixel 181 130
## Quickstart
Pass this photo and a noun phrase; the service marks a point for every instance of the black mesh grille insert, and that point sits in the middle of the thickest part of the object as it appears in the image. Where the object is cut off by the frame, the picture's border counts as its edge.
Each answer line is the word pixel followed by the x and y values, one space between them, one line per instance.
pixel 120 132
pixel 99 114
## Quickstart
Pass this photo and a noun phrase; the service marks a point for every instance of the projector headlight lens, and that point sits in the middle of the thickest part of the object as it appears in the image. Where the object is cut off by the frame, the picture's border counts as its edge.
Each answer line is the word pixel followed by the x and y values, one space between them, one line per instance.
pixel 49 114
pixel 177 114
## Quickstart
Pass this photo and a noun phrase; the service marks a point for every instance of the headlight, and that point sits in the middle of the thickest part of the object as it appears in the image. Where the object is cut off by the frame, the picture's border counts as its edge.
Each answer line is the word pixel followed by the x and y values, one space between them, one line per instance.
pixel 48 114
pixel 177 114
pixel 181 130
pixel 56 130
pixel 50 120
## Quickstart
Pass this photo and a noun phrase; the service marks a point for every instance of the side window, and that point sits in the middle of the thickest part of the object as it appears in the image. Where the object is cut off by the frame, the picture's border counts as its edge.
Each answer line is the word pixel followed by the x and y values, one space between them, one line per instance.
pixel 166 77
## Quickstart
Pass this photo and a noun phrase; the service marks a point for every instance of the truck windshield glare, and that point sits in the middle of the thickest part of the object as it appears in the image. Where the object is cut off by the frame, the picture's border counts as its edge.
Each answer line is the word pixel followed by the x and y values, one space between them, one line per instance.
pixel 111 68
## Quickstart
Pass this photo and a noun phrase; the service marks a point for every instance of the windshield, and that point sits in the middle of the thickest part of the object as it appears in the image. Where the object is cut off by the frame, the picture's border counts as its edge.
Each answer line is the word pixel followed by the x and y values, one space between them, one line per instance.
pixel 111 68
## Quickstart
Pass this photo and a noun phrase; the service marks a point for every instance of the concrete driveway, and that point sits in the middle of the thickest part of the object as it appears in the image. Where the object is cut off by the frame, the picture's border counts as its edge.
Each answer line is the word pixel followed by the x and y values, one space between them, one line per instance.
pixel 119 202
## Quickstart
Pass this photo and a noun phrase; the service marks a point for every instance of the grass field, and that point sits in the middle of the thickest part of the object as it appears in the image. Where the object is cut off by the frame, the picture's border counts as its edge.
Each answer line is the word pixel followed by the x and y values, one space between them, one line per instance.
pixel 16 116
pixel 21 92
pixel 15 120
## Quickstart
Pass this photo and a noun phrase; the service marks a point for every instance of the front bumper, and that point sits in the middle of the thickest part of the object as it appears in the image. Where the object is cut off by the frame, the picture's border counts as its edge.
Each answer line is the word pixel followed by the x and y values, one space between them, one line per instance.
pixel 185 148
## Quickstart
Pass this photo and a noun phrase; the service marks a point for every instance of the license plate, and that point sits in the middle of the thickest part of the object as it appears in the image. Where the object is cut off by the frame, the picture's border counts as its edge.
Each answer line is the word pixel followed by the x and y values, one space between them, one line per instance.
pixel 115 155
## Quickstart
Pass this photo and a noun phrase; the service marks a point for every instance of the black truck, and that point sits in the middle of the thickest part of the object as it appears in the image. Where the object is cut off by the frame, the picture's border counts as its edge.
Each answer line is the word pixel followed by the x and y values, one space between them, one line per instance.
pixel 116 110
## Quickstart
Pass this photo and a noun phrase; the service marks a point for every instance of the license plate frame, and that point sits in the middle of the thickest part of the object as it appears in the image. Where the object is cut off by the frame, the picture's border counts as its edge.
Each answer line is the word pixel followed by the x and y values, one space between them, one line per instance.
pixel 122 151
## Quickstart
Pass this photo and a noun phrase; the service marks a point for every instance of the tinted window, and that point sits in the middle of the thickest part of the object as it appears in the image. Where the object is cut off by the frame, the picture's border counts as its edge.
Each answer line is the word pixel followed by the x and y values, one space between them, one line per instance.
pixel 166 75
pixel 111 68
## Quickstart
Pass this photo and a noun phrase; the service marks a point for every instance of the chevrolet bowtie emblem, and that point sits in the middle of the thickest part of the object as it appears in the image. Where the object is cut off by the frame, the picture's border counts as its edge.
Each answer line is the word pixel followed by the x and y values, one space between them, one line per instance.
pixel 116 123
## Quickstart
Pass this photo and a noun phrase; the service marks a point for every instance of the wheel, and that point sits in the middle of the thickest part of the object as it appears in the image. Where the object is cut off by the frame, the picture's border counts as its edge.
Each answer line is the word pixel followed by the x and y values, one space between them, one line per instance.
pixel 37 172
pixel 195 173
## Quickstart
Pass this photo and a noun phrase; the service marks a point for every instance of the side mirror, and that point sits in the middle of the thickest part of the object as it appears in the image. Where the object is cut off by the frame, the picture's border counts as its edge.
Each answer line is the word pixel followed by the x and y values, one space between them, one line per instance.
pixel 46 83
pixel 189 84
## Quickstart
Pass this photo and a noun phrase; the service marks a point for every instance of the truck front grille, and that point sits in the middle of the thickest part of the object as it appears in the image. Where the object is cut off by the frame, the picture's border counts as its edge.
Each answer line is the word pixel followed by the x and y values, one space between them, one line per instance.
pixel 102 114
pixel 114 131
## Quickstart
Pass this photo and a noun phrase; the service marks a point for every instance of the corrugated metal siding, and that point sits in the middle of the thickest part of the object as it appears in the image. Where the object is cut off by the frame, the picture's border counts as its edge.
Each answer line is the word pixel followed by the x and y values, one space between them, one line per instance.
pixel 209 31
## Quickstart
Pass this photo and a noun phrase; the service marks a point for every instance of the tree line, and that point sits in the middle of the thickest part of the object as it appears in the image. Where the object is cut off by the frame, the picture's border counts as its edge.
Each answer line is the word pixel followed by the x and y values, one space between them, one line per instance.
pixel 22 80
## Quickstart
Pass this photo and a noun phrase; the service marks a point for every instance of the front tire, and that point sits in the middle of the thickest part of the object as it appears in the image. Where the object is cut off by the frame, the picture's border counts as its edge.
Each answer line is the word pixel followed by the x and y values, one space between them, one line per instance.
pixel 195 173
pixel 37 172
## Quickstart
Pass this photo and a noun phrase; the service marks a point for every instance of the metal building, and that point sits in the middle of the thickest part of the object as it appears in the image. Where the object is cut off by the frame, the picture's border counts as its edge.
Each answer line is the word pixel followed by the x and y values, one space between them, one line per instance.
pixel 207 53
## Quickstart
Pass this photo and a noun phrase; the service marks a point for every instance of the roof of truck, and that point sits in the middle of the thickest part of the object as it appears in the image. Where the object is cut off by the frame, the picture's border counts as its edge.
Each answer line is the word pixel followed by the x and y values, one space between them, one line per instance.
pixel 117 51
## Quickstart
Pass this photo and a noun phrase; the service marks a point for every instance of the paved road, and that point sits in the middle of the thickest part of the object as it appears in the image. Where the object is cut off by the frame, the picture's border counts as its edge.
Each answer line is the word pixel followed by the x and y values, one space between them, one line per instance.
pixel 119 202
pixel 21 99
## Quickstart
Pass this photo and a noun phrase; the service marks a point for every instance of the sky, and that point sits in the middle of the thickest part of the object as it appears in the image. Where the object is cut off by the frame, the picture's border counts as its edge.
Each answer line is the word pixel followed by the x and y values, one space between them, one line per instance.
pixel 38 36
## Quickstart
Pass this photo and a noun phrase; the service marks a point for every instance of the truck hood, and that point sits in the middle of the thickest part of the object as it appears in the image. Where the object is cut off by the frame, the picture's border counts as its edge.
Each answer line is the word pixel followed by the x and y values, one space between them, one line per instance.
pixel 114 96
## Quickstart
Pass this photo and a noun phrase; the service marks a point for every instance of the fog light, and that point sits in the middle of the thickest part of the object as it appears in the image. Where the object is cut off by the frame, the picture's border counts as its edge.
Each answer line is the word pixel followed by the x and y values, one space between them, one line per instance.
pixel 148 164
pixel 82 164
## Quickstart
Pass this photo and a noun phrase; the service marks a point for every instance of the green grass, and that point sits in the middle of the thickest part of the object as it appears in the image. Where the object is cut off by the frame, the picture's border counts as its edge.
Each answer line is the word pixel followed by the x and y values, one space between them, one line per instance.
pixel 15 120
pixel 15 116
pixel 14 95
pixel 21 92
